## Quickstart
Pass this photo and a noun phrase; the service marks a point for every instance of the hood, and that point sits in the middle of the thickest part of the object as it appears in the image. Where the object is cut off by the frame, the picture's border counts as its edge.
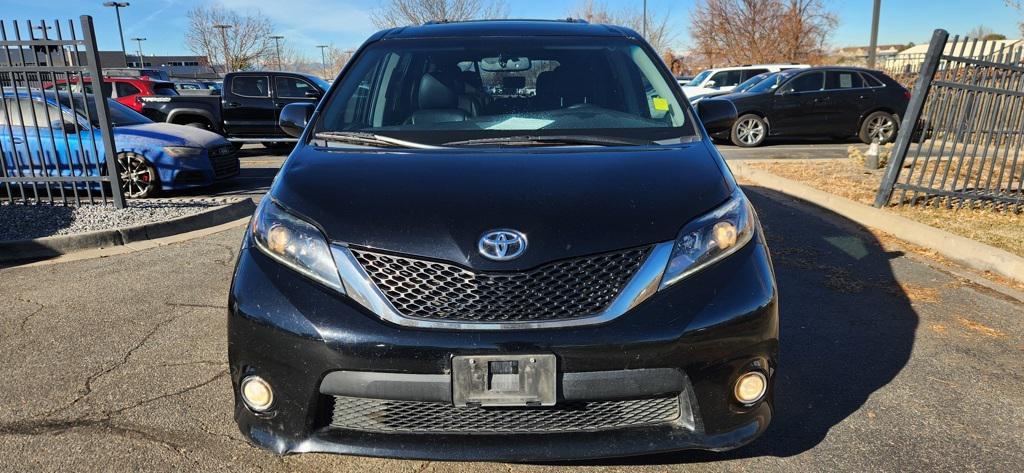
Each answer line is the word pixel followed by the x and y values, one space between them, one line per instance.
pixel 167 134
pixel 567 201
pixel 691 91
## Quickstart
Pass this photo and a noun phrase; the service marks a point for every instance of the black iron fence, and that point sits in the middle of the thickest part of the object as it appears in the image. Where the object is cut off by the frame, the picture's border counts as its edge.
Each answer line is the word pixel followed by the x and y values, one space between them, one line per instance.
pixel 56 140
pixel 961 139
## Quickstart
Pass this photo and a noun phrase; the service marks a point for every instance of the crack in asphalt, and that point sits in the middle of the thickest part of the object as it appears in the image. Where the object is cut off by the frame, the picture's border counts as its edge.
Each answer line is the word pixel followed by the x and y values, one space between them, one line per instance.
pixel 201 306
pixel 121 410
pixel 24 320
pixel 87 390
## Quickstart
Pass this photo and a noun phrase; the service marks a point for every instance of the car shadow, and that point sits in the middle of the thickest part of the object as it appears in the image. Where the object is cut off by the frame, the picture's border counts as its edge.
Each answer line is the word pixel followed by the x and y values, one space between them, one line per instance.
pixel 846 328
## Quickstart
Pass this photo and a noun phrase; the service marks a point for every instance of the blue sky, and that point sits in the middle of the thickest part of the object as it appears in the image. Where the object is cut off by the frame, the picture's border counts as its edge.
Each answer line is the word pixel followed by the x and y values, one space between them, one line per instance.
pixel 345 23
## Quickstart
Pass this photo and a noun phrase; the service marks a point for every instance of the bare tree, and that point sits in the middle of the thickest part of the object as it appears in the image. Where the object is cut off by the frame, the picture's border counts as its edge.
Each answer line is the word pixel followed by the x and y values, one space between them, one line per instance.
pixel 659 35
pixel 761 31
pixel 1019 6
pixel 247 38
pixel 394 13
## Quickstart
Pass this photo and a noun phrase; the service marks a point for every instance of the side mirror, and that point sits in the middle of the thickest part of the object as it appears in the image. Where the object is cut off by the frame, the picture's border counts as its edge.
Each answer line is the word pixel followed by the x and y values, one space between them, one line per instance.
pixel 294 118
pixel 716 114
pixel 710 84
pixel 312 94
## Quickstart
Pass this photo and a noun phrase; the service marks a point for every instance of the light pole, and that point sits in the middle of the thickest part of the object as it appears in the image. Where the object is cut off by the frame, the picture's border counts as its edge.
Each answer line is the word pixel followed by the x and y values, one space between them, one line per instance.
pixel 874 34
pixel 277 46
pixel 323 58
pixel 224 39
pixel 142 63
pixel 645 20
pixel 117 8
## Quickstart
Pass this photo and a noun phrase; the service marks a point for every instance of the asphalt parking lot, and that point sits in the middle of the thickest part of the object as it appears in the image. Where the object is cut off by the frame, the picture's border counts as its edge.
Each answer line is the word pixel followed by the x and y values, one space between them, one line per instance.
pixel 119 363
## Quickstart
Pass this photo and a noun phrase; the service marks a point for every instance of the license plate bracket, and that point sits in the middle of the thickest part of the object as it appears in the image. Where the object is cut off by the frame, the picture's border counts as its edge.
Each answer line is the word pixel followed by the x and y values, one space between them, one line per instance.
pixel 504 380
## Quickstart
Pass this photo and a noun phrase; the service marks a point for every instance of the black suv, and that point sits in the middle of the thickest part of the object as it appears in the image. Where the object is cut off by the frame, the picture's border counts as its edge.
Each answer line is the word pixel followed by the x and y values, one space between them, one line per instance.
pixel 478 250
pixel 819 101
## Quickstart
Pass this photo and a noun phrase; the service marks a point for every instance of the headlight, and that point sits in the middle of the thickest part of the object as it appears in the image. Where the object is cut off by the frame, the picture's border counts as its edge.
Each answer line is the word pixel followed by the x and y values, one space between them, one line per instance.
pixel 182 151
pixel 710 238
pixel 294 243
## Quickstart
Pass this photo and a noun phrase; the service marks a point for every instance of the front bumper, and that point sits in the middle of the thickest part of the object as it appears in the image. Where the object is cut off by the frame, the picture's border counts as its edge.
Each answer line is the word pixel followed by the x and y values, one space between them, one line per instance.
pixel 709 328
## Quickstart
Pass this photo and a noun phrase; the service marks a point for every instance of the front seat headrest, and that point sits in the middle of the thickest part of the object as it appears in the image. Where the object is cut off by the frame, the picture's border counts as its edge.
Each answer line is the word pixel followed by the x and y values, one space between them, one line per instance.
pixel 434 93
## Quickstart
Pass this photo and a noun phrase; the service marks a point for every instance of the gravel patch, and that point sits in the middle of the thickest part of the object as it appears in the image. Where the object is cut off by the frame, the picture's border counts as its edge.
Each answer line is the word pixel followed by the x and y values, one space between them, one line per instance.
pixel 27 221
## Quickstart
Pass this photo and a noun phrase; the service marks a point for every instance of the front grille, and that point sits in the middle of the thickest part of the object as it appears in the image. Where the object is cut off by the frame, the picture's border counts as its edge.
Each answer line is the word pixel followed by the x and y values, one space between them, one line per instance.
pixel 224 161
pixel 561 290
pixel 378 415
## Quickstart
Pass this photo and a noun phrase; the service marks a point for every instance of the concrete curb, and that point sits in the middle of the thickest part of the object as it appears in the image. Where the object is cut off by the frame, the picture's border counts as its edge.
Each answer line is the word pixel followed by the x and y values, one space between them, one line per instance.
pixel 957 248
pixel 49 247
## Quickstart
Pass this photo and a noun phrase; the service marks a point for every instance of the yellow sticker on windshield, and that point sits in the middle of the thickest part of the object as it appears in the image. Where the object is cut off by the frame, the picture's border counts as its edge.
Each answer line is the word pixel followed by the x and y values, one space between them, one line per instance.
pixel 659 104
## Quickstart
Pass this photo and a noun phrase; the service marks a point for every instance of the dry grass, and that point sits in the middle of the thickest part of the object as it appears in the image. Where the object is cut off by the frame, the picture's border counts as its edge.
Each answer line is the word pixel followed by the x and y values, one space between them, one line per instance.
pixel 844 178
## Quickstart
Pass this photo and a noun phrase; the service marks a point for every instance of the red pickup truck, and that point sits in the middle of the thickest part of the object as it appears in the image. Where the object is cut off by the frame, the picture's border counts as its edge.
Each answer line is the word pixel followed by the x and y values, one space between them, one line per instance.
pixel 126 90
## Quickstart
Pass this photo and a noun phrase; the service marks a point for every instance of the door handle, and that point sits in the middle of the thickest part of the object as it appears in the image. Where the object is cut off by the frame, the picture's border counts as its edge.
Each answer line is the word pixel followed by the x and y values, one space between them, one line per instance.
pixel 279 105
pixel 233 104
pixel 18 141
pixel 863 97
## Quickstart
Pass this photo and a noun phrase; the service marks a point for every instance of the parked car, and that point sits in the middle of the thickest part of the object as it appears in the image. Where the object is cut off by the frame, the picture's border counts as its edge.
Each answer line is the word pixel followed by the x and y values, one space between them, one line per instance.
pixel 683 80
pixel 151 156
pixel 724 79
pixel 819 101
pixel 247 108
pixel 126 90
pixel 574 274
pixel 743 87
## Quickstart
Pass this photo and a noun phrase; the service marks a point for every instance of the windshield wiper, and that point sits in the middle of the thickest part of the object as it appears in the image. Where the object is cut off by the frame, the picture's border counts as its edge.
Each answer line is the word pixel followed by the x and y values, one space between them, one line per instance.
pixel 552 139
pixel 369 139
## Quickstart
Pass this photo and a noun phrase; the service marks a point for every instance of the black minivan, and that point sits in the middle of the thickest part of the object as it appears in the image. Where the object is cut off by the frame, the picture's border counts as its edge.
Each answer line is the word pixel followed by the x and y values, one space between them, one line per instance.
pixel 833 102
pixel 504 240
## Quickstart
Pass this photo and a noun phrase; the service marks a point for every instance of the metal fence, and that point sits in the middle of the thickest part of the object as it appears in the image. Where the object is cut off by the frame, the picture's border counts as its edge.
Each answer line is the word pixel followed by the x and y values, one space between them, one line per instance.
pixel 961 138
pixel 56 138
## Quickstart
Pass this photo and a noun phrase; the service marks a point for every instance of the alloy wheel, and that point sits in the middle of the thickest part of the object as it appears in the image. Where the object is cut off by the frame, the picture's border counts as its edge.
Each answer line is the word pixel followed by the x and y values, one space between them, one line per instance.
pixel 880 128
pixel 750 131
pixel 138 178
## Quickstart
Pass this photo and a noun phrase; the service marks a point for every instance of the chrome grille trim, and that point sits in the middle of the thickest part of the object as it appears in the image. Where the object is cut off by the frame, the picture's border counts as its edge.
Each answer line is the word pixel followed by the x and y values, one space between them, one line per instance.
pixel 360 287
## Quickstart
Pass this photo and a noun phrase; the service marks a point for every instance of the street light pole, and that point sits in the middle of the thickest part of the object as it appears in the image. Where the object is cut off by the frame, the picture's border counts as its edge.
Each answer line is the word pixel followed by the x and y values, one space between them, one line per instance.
pixel 142 62
pixel 323 58
pixel 277 46
pixel 645 20
pixel 224 39
pixel 117 8
pixel 874 34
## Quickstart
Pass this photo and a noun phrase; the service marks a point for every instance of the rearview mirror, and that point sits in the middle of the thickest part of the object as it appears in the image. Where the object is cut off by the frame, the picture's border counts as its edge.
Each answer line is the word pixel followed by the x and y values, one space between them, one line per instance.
pixel 716 114
pixel 295 117
pixel 504 64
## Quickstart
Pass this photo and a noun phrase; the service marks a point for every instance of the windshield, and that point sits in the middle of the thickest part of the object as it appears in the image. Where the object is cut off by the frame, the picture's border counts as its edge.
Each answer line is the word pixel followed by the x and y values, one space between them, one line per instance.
pixel 747 84
pixel 436 91
pixel 771 83
pixel 700 78
pixel 120 115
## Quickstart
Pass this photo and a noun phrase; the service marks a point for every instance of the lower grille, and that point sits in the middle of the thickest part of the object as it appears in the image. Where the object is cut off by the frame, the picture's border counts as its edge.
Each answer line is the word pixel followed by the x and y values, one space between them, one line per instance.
pixel 225 162
pixel 561 290
pixel 377 415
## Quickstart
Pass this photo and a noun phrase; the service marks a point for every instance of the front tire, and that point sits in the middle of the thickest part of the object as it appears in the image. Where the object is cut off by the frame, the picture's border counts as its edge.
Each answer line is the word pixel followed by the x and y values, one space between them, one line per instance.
pixel 138 176
pixel 749 131
pixel 879 125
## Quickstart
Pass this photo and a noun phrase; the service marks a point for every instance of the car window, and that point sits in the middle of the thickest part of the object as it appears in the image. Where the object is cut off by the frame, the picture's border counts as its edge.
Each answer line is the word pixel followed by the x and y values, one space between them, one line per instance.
pixel 165 89
pixel 188 87
pixel 699 78
pixel 748 73
pixel 838 80
pixel 809 82
pixel 125 89
pixel 727 78
pixel 292 87
pixel 251 86
pixel 443 89
pixel 872 81
pixel 32 113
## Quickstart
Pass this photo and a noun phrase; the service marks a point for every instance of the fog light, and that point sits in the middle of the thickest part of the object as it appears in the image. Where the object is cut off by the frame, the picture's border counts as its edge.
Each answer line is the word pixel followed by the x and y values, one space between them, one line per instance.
pixel 751 387
pixel 256 393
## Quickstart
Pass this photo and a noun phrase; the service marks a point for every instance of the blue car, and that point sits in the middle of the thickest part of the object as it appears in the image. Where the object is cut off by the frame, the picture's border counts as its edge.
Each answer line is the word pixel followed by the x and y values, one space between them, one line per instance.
pixel 63 139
